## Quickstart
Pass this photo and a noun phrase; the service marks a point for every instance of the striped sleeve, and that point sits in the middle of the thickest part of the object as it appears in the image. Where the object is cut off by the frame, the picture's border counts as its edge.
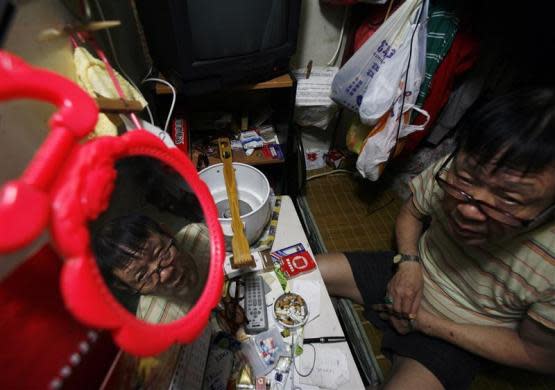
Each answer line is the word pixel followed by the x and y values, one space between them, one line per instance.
pixel 195 239
pixel 158 310
pixel 424 186
pixel 543 311
pixel 542 245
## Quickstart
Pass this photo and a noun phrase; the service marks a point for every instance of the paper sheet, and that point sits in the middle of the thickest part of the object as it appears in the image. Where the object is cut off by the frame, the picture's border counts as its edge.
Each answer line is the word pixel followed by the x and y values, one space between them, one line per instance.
pixel 315 91
pixel 330 369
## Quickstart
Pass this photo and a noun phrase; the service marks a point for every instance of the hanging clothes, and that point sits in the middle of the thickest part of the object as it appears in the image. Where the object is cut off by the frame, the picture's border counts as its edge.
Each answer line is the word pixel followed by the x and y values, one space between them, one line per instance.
pixel 443 25
pixel 461 58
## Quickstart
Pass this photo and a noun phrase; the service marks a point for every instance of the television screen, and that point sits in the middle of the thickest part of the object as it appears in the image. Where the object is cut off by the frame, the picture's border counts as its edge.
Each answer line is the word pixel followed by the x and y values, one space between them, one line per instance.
pixel 202 46
pixel 225 29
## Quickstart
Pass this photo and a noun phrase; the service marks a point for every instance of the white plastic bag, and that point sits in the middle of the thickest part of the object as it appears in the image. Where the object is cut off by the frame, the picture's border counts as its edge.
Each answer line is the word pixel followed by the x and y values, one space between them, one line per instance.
pixel 389 84
pixel 376 69
pixel 383 138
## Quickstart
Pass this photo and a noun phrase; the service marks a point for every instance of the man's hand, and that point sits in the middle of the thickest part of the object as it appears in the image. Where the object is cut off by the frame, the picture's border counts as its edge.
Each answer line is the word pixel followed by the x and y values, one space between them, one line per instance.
pixel 405 289
pixel 403 325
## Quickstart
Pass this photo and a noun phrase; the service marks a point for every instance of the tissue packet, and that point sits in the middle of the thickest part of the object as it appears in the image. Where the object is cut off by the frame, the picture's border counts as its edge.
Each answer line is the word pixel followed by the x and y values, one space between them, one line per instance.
pixel 250 139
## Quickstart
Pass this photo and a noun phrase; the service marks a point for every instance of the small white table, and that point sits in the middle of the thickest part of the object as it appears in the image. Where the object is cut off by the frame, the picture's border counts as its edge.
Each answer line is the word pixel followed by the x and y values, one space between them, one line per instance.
pixel 290 232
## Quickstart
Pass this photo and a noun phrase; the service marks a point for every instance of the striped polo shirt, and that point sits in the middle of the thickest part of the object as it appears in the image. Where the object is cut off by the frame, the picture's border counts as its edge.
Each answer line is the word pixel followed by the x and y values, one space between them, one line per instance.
pixel 495 284
pixel 193 239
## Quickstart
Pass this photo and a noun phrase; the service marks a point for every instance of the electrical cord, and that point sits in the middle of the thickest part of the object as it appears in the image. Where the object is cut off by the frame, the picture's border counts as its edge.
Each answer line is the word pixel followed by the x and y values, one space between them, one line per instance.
pixel 328 173
pixel 313 363
pixel 170 112
pixel 331 62
pixel 147 106
pixel 376 209
pixel 148 73
pixel 388 9
pixel 293 347
pixel 149 114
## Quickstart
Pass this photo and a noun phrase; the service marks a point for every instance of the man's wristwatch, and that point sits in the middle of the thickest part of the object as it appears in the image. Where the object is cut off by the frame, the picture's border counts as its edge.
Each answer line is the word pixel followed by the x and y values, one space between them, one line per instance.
pixel 401 258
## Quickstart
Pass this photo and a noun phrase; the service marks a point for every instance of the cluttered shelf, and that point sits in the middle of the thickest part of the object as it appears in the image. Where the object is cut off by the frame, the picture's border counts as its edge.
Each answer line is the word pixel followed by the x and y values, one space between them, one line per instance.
pixel 255 118
pixel 283 81
pixel 262 156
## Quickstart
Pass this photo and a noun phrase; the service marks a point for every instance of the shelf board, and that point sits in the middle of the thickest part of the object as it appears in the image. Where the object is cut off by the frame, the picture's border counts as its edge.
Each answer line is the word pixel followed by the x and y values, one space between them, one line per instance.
pixel 257 158
pixel 107 105
pixel 283 81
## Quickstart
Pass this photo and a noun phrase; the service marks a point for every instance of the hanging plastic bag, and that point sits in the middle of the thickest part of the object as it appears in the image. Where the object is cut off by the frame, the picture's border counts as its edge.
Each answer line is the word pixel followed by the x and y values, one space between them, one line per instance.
pixel 374 72
pixel 389 84
pixel 383 138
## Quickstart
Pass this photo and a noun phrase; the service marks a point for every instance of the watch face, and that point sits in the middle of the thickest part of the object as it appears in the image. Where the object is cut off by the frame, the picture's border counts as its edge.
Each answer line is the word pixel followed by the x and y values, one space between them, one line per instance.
pixel 397 259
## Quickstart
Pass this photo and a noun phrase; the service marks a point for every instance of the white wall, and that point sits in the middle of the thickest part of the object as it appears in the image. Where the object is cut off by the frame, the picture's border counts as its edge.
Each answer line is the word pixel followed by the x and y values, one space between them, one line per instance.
pixel 318 38
pixel 320 25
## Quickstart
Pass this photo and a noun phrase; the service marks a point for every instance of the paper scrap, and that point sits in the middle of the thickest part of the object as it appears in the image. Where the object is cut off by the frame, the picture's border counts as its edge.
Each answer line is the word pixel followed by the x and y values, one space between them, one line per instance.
pixel 275 288
pixel 330 369
pixel 315 91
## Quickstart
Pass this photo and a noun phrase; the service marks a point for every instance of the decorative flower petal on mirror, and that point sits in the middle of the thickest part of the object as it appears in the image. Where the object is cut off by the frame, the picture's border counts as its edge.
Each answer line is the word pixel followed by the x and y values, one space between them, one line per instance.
pixel 79 179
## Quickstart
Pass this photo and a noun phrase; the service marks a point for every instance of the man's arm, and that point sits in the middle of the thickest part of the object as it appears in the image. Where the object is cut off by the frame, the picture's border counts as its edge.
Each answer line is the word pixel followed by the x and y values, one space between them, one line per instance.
pixel 532 346
pixel 408 228
pixel 405 288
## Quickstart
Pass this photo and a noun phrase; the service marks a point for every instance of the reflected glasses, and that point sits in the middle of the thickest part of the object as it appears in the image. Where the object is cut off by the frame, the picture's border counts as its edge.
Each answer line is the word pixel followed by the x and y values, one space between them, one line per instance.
pixel 490 211
pixel 163 257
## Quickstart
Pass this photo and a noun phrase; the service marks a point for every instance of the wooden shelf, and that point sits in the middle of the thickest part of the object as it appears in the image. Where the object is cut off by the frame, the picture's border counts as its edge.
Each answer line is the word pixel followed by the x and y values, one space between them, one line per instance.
pixel 257 158
pixel 107 105
pixel 283 81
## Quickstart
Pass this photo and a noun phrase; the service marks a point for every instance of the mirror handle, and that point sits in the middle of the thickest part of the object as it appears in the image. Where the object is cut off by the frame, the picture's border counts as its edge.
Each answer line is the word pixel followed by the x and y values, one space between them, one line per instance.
pixel 24 202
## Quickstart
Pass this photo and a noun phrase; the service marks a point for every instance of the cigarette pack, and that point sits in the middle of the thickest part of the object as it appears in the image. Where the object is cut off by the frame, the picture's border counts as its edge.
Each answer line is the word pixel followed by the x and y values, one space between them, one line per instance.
pixel 294 260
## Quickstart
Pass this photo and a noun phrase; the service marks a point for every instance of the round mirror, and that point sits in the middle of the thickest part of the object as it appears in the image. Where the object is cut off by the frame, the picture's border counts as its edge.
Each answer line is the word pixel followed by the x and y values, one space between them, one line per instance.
pixel 68 187
pixel 151 244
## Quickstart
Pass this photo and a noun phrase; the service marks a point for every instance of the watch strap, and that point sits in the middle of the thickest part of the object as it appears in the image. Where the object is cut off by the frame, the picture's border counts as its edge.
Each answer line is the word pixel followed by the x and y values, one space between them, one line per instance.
pixel 401 258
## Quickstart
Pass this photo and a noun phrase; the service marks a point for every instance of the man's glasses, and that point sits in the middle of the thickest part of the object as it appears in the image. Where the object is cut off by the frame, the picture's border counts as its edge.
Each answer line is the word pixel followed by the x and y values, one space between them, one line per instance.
pixel 490 211
pixel 164 257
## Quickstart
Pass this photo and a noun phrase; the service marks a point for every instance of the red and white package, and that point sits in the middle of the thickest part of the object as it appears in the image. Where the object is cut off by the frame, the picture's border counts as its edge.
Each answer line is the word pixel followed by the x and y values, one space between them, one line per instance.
pixel 180 134
pixel 294 260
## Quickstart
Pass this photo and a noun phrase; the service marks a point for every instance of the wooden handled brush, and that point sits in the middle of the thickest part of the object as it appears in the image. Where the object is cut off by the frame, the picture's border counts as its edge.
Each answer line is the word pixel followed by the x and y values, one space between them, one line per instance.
pixel 241 251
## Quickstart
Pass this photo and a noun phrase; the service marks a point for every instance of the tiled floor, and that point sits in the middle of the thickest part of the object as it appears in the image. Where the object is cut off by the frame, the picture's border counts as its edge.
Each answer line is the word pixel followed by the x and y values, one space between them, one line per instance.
pixel 359 215
pixel 352 214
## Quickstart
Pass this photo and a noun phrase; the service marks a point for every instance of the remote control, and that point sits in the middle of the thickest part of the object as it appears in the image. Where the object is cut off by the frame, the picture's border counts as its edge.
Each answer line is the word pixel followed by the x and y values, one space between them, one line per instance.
pixel 255 305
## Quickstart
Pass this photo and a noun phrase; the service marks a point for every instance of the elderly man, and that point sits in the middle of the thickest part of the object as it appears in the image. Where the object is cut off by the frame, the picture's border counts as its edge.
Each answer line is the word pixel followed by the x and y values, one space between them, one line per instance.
pixel 474 274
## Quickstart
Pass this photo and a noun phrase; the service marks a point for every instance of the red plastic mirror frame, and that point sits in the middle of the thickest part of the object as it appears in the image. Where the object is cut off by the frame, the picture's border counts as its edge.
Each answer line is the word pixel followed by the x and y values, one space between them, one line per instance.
pixel 68 184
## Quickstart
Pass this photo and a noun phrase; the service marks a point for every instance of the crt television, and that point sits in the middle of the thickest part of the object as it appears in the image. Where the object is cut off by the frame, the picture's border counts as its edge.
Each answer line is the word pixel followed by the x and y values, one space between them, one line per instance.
pixel 204 45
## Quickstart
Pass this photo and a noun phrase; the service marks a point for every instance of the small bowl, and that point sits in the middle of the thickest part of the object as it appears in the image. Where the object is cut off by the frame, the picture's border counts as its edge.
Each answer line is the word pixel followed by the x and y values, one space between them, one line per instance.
pixel 290 311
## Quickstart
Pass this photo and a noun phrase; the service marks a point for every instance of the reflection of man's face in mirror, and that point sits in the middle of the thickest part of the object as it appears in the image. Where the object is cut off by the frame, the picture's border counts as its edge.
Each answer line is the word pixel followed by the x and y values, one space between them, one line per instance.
pixel 159 269
pixel 135 254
